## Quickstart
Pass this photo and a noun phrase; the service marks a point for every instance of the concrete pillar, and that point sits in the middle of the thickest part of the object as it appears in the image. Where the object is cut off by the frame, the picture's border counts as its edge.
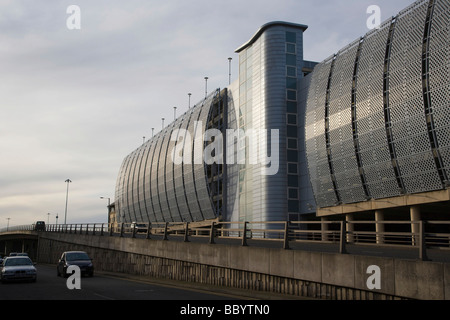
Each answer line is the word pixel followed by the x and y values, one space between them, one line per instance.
pixel 415 226
pixel 350 227
pixel 379 226
pixel 324 228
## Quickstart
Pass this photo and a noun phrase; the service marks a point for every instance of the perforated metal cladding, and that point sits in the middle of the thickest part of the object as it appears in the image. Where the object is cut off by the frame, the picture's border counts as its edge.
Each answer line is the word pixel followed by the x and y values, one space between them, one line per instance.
pixel 409 127
pixel 316 147
pixel 373 145
pixel 342 146
pixel 398 115
pixel 439 69
pixel 151 187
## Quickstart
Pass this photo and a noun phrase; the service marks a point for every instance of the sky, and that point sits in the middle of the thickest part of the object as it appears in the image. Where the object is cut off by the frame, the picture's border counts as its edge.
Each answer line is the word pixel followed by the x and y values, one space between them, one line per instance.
pixel 75 102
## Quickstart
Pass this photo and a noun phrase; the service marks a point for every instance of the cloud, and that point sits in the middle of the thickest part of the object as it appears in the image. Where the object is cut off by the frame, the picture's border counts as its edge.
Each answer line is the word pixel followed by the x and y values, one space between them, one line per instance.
pixel 74 103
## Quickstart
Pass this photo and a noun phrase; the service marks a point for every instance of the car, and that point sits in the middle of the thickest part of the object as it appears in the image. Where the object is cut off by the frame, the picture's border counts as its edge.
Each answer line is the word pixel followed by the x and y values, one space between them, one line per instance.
pixel 18 268
pixel 138 227
pixel 78 258
pixel 39 226
pixel 18 254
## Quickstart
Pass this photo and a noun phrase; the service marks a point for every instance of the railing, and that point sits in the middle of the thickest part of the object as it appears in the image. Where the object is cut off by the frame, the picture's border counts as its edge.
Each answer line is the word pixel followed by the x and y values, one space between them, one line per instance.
pixel 417 234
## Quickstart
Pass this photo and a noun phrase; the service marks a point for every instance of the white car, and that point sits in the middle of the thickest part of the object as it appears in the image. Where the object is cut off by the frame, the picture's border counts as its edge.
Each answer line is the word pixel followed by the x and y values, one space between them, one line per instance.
pixel 18 268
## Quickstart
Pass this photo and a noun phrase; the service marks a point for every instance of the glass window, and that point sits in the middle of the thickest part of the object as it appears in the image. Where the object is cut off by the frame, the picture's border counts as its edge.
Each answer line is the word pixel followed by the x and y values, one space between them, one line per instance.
pixel 293 206
pixel 291 71
pixel 291 48
pixel 292 119
pixel 292 143
pixel 292 181
pixel 291 95
pixel 292 131
pixel 291 59
pixel 293 193
pixel 291 107
pixel 291 37
pixel 292 168
pixel 291 83
pixel 292 155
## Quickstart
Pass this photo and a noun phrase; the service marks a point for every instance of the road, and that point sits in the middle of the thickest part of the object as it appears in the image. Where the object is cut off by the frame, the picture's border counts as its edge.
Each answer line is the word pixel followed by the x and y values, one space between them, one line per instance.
pixel 100 287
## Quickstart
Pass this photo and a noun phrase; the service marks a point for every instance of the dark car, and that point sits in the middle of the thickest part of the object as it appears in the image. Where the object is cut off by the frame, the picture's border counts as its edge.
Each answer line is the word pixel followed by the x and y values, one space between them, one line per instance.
pixel 138 227
pixel 18 268
pixel 39 226
pixel 78 258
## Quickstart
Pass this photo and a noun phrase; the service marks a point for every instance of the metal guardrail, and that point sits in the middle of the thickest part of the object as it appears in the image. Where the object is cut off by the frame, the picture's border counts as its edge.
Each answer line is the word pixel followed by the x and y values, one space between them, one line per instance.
pixel 417 234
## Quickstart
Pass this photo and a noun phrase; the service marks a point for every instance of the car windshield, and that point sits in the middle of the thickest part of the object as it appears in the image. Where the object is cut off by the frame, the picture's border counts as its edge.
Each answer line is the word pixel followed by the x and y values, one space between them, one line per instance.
pixel 72 256
pixel 18 262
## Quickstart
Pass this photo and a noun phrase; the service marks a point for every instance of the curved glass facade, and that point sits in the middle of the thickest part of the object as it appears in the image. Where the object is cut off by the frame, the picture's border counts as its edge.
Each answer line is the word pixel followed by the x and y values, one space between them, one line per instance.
pixel 152 187
pixel 377 117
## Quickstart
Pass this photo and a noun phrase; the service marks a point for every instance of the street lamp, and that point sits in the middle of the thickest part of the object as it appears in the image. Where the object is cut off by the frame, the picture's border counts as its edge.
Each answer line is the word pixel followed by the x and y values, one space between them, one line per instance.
pixel 229 70
pixel 109 205
pixel 206 86
pixel 7 226
pixel 109 200
pixel 67 198
pixel 48 218
pixel 56 218
pixel 189 105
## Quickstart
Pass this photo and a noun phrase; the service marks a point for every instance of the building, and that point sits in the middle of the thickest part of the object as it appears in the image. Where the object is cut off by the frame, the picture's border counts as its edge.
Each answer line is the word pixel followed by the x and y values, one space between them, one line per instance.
pixel 378 121
pixel 254 131
pixel 363 134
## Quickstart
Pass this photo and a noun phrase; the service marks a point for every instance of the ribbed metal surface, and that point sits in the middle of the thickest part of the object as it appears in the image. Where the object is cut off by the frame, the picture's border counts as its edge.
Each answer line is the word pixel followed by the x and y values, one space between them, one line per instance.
pixel 151 187
pixel 408 121
pixel 439 74
pixel 373 145
pixel 400 139
pixel 316 146
pixel 348 180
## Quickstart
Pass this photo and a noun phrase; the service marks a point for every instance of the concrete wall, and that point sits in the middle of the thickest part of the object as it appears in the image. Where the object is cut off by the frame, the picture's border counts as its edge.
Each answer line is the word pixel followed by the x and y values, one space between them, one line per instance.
pixel 310 274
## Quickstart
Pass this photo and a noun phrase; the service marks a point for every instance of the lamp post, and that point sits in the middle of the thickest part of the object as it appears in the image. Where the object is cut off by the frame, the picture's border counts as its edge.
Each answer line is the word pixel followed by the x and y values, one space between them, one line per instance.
pixel 229 70
pixel 174 113
pixel 56 218
pixel 7 226
pixel 189 105
pixel 109 205
pixel 48 218
pixel 109 200
pixel 206 87
pixel 67 198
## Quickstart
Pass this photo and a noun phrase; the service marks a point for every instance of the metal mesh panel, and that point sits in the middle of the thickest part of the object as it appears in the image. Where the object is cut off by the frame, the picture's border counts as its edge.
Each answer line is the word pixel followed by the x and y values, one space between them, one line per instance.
pixel 153 178
pixel 180 189
pixel 172 170
pixel 409 127
pixel 162 175
pixel 188 170
pixel 373 145
pixel 128 201
pixel 202 192
pixel 439 69
pixel 342 146
pixel 316 151
pixel 138 194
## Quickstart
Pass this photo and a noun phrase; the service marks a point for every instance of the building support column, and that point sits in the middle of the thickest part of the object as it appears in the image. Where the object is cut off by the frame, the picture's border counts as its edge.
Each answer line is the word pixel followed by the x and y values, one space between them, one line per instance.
pixel 379 226
pixel 350 227
pixel 414 212
pixel 324 228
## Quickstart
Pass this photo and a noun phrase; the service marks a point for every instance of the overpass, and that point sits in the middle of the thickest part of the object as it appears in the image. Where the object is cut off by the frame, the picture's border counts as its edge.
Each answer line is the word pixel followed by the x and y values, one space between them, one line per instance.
pixel 325 260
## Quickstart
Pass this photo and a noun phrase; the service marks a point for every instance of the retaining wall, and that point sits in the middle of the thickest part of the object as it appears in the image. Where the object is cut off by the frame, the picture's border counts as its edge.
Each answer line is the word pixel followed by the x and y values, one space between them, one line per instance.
pixel 302 273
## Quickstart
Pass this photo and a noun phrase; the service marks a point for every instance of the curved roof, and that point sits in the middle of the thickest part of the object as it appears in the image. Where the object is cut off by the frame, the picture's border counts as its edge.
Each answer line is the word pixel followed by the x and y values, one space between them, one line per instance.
pixel 269 25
